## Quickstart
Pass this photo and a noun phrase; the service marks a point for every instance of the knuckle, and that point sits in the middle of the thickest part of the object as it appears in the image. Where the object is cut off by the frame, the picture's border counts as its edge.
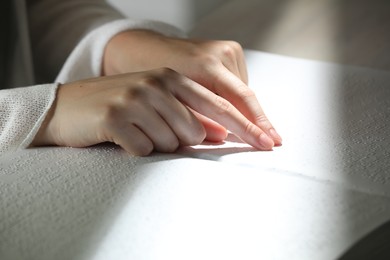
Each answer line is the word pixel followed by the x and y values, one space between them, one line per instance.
pixel 206 60
pixel 195 136
pixel 109 115
pixel 166 72
pixel 136 92
pixel 262 119
pixel 249 128
pixel 194 139
pixel 160 79
pixel 198 138
pixel 235 45
pixel 170 147
pixel 228 51
pixel 143 149
pixel 147 87
pixel 222 106
pixel 128 95
pixel 150 80
pixel 246 93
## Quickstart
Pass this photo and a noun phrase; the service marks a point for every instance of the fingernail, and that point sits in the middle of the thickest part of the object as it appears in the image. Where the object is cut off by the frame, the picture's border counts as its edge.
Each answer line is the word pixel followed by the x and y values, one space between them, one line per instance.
pixel 266 142
pixel 275 136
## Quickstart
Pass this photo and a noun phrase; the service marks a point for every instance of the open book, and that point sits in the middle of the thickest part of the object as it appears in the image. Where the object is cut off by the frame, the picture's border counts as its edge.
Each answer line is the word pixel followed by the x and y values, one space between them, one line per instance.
pixel 325 194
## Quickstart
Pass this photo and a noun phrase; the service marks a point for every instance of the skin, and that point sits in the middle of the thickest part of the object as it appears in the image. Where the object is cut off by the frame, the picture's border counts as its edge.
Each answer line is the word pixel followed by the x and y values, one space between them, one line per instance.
pixel 159 93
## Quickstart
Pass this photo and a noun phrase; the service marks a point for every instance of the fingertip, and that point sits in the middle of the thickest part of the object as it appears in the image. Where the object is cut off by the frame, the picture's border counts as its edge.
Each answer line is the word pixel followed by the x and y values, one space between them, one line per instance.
pixel 278 143
pixel 275 137
pixel 265 142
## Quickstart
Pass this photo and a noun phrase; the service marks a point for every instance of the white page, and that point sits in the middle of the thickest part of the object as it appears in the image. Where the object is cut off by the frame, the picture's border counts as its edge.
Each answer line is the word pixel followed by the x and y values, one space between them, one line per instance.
pixel 334 120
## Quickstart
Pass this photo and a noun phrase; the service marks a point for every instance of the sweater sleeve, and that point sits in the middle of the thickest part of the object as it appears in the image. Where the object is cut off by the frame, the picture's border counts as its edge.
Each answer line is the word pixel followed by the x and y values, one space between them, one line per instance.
pixel 22 111
pixel 57 26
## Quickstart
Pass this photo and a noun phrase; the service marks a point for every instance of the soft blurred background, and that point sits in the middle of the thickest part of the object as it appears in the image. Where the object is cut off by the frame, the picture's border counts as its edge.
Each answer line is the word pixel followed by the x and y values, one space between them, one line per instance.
pixel 352 32
pixel 182 13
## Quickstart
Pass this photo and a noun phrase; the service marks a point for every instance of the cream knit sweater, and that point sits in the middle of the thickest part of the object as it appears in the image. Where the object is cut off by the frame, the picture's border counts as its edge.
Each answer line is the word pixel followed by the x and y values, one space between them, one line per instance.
pixel 58 41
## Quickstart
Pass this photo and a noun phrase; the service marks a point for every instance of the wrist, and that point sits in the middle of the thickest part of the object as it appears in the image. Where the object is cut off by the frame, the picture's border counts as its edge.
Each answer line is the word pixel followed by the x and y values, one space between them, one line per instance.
pixel 134 50
pixel 43 136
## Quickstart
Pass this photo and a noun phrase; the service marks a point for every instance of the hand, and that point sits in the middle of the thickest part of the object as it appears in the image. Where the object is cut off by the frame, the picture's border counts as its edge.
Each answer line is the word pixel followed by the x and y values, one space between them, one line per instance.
pixel 216 65
pixel 142 112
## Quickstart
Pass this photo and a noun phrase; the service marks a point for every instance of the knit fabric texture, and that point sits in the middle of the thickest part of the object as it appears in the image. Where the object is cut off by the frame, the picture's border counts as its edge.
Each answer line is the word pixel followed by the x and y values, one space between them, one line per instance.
pixel 22 111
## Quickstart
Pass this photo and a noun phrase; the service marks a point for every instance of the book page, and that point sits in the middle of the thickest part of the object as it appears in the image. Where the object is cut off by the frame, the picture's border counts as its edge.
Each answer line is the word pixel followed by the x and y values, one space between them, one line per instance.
pixel 334 121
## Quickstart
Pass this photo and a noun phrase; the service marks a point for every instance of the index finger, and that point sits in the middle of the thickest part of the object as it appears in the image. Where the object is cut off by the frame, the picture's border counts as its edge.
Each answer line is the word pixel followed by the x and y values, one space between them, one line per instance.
pixel 222 111
pixel 229 86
